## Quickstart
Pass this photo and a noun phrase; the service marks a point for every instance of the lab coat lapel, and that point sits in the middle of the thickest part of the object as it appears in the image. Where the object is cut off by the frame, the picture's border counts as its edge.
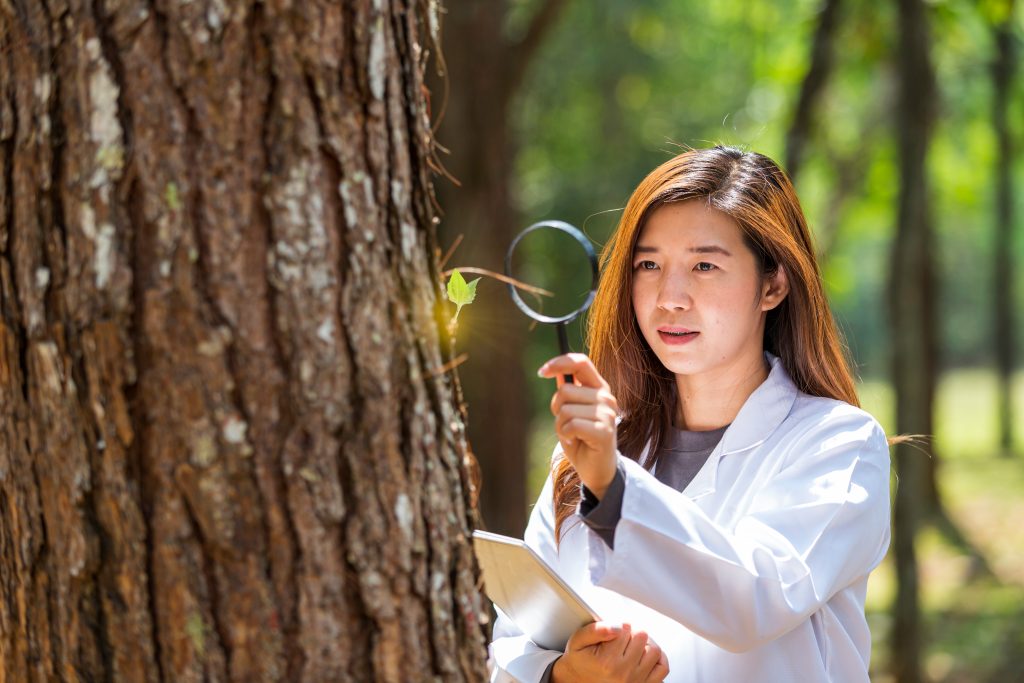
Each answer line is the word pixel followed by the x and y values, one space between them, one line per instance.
pixel 760 415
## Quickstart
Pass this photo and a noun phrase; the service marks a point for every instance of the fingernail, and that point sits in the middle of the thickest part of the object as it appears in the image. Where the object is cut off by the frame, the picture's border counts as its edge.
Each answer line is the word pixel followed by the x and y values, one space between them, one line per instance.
pixel 542 370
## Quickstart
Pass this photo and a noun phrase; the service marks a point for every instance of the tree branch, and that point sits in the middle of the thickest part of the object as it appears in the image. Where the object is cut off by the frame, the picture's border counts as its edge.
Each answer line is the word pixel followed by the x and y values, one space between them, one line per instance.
pixel 522 53
pixel 813 85
pixel 850 170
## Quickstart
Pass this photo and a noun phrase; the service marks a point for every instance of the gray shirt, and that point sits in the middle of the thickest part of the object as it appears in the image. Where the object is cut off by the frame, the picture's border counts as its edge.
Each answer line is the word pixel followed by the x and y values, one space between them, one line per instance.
pixel 679 460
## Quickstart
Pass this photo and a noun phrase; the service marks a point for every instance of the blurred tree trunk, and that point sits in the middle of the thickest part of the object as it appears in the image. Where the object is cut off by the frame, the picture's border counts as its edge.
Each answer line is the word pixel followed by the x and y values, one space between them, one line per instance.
pixel 849 168
pixel 484 71
pixel 912 321
pixel 813 86
pixel 850 174
pixel 226 453
pixel 1003 69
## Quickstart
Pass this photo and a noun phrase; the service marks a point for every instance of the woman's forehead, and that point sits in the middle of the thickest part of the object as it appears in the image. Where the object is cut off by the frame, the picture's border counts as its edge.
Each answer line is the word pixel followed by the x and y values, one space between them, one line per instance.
pixel 692 225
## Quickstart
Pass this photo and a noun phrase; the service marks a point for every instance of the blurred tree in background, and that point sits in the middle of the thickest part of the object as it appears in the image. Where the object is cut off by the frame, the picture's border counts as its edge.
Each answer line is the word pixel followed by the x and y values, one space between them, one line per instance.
pixel 1004 68
pixel 912 322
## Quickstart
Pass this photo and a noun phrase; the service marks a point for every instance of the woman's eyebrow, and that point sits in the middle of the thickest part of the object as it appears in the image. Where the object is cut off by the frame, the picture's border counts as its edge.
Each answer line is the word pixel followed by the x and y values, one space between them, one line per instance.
pixel 710 249
pixel 704 249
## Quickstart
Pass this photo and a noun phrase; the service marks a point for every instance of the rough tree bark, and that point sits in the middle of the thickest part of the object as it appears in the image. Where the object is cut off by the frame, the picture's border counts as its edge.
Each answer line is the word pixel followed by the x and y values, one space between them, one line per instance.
pixel 485 70
pixel 1003 69
pixel 227 452
pixel 912 321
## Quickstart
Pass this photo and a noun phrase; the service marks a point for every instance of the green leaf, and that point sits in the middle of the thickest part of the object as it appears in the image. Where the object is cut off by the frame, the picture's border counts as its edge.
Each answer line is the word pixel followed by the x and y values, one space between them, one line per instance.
pixel 460 292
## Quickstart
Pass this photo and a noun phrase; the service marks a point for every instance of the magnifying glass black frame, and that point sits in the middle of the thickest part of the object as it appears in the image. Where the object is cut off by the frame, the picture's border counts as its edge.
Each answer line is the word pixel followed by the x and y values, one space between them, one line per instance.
pixel 560 322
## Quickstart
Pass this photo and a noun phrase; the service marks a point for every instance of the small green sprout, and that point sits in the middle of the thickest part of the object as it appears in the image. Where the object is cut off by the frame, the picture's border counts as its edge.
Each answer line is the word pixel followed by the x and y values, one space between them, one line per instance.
pixel 460 292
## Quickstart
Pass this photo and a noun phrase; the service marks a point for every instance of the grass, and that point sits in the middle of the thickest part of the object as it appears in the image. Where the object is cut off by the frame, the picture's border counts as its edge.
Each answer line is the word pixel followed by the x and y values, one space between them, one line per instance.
pixel 974 625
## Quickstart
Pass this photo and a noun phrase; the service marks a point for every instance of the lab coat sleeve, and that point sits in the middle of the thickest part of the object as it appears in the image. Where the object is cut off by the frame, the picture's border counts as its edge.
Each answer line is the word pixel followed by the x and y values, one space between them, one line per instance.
pixel 818 525
pixel 513 652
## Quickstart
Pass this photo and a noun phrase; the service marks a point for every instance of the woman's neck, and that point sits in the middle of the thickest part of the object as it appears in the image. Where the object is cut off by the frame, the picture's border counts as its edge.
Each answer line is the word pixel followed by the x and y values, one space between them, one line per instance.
pixel 713 399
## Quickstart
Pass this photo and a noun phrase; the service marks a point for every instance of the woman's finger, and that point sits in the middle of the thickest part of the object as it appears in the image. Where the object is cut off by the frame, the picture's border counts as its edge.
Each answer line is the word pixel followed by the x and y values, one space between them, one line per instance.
pixel 592 411
pixel 582 429
pixel 570 393
pixel 649 660
pixel 618 646
pixel 599 429
pixel 635 650
pixel 660 671
pixel 576 364
pixel 593 634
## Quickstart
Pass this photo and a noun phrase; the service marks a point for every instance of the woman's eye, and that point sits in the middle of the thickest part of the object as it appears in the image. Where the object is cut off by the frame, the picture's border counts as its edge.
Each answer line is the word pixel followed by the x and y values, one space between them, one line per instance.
pixel 705 267
pixel 646 265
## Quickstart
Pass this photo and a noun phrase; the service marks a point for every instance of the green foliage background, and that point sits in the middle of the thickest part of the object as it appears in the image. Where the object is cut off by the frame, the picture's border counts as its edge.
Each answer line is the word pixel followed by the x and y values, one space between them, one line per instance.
pixel 622 85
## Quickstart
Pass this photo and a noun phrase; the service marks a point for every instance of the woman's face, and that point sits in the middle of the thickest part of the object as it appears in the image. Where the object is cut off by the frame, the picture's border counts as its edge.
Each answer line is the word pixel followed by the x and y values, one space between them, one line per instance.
pixel 698 294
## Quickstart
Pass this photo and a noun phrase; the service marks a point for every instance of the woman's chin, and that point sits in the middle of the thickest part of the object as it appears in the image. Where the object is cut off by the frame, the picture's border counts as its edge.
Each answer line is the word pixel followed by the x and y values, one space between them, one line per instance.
pixel 683 366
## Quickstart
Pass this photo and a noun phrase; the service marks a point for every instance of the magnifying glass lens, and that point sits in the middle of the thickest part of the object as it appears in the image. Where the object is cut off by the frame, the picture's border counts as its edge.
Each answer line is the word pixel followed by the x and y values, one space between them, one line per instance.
pixel 553 261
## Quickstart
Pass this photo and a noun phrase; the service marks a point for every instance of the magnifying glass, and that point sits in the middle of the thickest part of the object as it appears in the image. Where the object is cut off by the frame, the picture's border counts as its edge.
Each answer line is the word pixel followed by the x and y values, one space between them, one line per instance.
pixel 559 260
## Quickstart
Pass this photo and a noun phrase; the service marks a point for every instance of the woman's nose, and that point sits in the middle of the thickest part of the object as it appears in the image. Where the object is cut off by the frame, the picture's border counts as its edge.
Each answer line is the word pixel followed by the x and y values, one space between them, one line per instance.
pixel 674 294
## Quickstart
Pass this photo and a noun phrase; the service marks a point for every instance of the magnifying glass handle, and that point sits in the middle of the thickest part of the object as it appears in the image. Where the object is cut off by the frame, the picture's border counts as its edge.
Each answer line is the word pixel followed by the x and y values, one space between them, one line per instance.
pixel 563 346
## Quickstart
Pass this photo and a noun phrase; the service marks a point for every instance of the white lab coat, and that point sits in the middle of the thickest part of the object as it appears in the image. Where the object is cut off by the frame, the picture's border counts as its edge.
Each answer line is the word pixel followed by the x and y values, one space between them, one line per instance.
pixel 758 570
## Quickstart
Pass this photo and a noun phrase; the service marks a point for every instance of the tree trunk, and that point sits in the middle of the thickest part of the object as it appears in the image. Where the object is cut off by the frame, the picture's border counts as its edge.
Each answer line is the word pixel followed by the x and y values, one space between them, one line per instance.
pixel 812 87
pixel 226 452
pixel 912 290
pixel 1003 69
pixel 484 70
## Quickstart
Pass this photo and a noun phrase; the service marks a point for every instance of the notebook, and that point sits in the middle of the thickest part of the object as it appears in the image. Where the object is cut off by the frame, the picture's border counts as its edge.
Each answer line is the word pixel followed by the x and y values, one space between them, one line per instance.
pixel 529 591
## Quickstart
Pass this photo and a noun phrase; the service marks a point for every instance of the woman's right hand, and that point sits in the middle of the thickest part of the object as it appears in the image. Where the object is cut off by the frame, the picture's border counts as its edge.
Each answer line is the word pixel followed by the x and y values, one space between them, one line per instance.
pixel 609 653
pixel 585 412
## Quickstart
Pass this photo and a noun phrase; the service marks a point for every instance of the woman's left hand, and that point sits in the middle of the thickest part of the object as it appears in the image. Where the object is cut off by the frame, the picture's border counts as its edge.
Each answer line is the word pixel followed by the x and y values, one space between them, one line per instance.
pixel 585 415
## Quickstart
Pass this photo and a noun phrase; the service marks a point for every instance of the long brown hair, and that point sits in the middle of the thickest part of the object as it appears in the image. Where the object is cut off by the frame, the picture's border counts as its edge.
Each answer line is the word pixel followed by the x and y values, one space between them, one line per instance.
pixel 758 195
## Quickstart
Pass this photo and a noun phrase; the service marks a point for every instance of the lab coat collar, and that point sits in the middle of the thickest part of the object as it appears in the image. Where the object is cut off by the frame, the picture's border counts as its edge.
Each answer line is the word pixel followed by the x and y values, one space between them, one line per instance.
pixel 763 411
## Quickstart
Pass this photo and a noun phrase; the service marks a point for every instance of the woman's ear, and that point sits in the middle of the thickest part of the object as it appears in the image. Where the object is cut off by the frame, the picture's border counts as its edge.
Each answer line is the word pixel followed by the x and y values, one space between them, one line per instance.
pixel 774 289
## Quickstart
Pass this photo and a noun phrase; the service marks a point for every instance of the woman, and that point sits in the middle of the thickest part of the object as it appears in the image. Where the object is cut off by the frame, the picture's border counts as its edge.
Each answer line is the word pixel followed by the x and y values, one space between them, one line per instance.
pixel 716 495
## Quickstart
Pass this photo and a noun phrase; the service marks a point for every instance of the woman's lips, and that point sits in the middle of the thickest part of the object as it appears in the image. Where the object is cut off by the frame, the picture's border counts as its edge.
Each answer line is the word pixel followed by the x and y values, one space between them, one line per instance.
pixel 676 338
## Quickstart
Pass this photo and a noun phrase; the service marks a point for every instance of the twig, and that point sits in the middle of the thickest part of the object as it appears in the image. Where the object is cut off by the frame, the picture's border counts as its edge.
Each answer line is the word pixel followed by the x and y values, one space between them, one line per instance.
pixel 450 365
pixel 451 250
pixel 498 276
